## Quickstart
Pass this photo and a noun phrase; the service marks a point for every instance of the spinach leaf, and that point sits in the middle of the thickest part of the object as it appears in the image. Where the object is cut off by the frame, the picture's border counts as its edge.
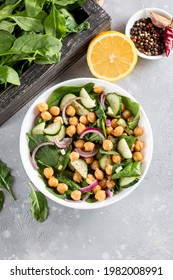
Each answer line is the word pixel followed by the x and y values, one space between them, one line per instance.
pixel 63 160
pixel 6 41
pixel 54 192
pixel 67 178
pixel 100 112
pixel 133 169
pixel 134 108
pixel 103 152
pixel 55 23
pixel 7 26
pixel 33 7
pixel 8 9
pixel 39 206
pixel 8 75
pixel 1 200
pixel 129 139
pixel 60 92
pixel 6 178
pixel 46 155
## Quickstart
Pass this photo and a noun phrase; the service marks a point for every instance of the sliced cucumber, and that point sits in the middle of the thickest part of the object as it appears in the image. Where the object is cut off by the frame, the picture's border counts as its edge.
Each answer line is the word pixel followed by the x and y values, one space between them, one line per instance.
pixel 115 102
pixel 123 148
pixel 81 166
pixel 65 99
pixel 87 101
pixel 122 122
pixel 60 135
pixel 128 181
pixel 38 128
pixel 110 113
pixel 104 161
pixel 71 167
pixel 52 128
pixel 80 109
pixel 128 131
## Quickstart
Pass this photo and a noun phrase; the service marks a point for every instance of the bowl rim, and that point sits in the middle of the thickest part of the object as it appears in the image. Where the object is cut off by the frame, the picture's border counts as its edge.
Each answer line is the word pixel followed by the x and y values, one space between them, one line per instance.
pixel 131 21
pixel 33 174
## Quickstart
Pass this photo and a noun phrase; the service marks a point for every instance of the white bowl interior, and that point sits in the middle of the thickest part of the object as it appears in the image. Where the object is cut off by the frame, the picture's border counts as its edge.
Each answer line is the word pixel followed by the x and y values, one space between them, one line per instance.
pixel 144 14
pixel 33 174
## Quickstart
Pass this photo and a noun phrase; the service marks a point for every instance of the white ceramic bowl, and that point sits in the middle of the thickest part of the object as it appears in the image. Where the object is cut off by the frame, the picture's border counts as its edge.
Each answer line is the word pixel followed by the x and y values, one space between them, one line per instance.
pixel 144 14
pixel 33 174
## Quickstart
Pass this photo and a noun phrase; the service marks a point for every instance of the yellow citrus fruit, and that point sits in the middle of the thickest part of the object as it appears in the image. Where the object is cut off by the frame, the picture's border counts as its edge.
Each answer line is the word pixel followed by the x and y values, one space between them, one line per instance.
pixel 111 56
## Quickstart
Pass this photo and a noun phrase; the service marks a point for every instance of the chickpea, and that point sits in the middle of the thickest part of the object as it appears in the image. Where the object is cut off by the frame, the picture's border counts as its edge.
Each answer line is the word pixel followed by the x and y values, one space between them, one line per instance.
pixel 100 195
pixel 137 156
pixel 76 195
pixel 107 145
pixel 74 156
pixel 70 111
pixel 130 119
pixel 95 165
pixel 114 123
pixel 139 145
pixel 84 120
pixel 110 184
pixel 53 182
pixel 109 129
pixel 91 116
pixel 99 174
pixel 138 131
pixel 77 177
pixel 42 107
pixel 62 188
pixel 116 158
pixel 96 189
pixel 54 110
pixel 71 130
pixel 58 119
pixel 123 108
pixel 98 90
pixel 89 160
pixel 46 116
pixel 48 172
pixel 108 169
pixel 126 114
pixel 90 179
pixel 79 143
pixel 102 183
pixel 80 128
pixel 118 131
pixel 73 121
pixel 89 146
pixel 109 177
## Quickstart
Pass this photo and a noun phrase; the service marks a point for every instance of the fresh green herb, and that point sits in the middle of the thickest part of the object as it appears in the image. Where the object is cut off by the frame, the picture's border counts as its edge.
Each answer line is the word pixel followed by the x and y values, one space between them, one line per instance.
pixel 1 200
pixel 33 31
pixel 39 206
pixel 6 178
pixel 129 139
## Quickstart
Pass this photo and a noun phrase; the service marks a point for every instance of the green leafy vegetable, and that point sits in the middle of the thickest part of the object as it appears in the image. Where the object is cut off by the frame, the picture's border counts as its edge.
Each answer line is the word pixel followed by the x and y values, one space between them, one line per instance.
pixel 67 178
pixel 1 200
pixel 133 169
pixel 39 206
pixel 6 178
pixel 6 41
pixel 60 92
pixel 134 108
pixel 7 25
pixel 130 140
pixel 8 75
pixel 33 7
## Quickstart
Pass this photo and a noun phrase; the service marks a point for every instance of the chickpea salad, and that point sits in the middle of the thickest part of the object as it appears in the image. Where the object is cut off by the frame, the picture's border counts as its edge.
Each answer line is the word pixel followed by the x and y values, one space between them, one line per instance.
pixel 85 143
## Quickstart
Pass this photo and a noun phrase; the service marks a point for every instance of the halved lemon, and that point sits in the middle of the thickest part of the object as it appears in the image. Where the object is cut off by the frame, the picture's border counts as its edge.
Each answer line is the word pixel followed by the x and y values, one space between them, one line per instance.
pixel 111 56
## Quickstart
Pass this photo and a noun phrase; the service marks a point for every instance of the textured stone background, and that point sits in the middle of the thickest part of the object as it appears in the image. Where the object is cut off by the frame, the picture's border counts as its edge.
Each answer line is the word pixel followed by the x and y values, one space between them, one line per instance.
pixel 138 227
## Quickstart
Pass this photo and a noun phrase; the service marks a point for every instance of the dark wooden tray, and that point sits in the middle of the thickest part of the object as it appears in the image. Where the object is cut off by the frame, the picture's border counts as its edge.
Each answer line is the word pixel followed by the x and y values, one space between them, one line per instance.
pixel 39 76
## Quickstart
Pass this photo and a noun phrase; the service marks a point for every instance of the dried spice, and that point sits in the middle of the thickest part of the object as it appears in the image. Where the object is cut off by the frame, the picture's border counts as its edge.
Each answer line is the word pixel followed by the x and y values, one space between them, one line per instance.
pixel 168 38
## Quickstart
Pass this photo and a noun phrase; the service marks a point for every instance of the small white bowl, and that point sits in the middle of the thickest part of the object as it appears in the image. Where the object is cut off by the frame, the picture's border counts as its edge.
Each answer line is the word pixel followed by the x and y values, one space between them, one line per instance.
pixel 33 174
pixel 144 14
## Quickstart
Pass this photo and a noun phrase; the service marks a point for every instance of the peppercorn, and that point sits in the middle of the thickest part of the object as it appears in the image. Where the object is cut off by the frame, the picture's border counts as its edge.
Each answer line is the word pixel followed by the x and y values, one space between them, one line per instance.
pixel 147 38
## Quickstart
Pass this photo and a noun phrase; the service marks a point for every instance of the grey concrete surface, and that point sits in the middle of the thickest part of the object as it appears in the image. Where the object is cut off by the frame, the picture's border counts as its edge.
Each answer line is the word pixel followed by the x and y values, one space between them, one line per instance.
pixel 138 227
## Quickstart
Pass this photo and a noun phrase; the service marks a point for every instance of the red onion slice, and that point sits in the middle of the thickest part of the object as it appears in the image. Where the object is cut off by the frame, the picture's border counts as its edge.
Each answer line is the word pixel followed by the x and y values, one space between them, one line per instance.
pixel 102 100
pixel 109 193
pixel 92 130
pixel 90 187
pixel 65 107
pixel 108 122
pixel 87 154
pixel 64 143
pixel 34 163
